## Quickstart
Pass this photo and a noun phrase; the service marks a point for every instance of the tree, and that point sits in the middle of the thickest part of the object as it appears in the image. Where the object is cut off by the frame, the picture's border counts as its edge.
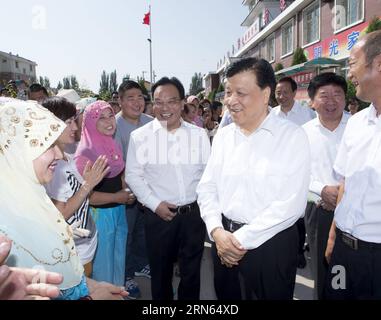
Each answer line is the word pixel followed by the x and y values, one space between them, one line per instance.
pixel 66 83
pixel 374 24
pixel 74 83
pixel 105 82
pixel 142 82
pixel 299 57
pixel 41 81
pixel 59 86
pixel 113 81
pixel 220 88
pixel 278 67
pixel 46 83
pixel 104 90
pixel 126 77
pixel 196 84
pixel 212 95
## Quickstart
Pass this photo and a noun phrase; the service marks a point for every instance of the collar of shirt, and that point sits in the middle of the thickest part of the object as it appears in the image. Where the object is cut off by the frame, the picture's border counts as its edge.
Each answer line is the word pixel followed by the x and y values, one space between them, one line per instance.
pixel 294 108
pixel 156 125
pixel 343 121
pixel 372 115
pixel 268 124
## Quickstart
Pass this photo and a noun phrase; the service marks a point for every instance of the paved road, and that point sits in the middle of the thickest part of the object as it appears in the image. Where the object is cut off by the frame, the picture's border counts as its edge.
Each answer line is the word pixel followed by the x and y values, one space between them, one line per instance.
pixel 303 286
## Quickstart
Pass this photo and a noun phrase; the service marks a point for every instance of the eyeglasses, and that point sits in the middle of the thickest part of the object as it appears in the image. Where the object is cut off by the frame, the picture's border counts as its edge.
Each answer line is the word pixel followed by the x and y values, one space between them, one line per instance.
pixel 171 103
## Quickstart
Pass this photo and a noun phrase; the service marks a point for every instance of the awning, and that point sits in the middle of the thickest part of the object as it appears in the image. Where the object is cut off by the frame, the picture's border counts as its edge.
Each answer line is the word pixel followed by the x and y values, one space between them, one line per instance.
pixel 315 64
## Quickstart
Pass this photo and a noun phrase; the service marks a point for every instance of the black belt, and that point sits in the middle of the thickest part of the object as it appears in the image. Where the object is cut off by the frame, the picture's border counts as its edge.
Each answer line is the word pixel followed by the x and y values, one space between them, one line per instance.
pixel 187 208
pixel 355 243
pixel 231 225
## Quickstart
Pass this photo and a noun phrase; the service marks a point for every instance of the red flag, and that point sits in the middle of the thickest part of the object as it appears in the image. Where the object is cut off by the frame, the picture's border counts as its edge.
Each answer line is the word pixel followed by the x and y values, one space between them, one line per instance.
pixel 147 18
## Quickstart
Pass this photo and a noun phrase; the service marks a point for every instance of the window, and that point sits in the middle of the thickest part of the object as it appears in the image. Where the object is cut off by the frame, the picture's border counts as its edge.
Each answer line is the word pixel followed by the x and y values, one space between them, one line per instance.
pixel 348 13
pixel 287 38
pixel 24 71
pixel 30 68
pixel 4 60
pixel 311 23
pixel 271 48
pixel 17 65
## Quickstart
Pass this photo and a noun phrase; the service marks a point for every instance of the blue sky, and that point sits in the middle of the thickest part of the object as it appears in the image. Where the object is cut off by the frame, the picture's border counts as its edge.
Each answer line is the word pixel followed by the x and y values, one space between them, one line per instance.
pixel 85 37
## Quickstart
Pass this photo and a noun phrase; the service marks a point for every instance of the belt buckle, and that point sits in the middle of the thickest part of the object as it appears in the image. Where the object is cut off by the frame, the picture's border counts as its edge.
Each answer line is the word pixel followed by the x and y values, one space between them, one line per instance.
pixel 350 241
pixel 184 209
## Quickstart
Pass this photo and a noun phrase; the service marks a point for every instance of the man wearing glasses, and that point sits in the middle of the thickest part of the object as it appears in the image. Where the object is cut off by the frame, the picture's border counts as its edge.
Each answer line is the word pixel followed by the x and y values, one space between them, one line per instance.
pixel 165 161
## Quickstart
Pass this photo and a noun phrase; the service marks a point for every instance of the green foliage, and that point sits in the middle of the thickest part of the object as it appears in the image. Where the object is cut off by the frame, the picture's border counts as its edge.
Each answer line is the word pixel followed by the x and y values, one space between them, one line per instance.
pixel 66 83
pixel 46 83
pixel 59 86
pixel 141 82
pixel 299 57
pixel 212 95
pixel 196 84
pixel 351 93
pixel 113 81
pixel 74 83
pixel 220 88
pixel 374 24
pixel 278 67
pixel 105 82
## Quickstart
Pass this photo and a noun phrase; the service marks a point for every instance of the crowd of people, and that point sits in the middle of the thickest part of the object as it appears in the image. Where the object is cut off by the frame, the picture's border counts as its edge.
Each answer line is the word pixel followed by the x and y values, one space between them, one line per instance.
pixel 96 193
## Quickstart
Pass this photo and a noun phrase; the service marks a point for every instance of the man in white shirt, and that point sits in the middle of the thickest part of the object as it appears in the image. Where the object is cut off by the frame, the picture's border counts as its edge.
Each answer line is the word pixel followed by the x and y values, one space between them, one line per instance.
pixel 289 108
pixel 355 264
pixel 131 117
pixel 292 110
pixel 254 189
pixel 327 93
pixel 165 161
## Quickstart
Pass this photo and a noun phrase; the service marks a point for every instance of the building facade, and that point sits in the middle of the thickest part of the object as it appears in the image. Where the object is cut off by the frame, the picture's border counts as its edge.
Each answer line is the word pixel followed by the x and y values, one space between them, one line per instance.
pixel 13 67
pixel 322 28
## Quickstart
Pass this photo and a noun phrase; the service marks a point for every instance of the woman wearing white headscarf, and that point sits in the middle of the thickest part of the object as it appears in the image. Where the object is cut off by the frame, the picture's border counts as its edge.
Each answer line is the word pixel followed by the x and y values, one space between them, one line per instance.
pixel 41 237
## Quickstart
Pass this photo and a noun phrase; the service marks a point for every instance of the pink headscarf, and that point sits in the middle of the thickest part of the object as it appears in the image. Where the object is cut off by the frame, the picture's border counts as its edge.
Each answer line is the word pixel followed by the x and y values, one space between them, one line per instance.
pixel 93 143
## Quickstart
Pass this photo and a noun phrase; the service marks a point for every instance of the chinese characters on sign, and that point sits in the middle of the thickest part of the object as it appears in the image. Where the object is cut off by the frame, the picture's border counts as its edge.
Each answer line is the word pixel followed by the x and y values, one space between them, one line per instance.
pixel 334 48
pixel 318 52
pixel 352 39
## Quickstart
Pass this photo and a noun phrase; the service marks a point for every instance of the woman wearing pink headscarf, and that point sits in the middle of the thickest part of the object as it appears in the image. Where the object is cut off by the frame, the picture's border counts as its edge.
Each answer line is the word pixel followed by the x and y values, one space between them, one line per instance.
pixel 108 203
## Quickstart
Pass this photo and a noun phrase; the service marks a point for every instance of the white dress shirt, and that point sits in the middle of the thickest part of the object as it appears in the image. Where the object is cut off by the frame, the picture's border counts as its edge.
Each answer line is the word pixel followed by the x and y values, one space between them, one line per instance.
pixel 359 162
pixel 163 166
pixel 261 180
pixel 298 114
pixel 324 145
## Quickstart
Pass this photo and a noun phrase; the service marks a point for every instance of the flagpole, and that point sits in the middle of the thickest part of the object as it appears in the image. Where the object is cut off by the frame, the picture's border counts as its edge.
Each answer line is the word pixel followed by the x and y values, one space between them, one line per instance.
pixel 150 49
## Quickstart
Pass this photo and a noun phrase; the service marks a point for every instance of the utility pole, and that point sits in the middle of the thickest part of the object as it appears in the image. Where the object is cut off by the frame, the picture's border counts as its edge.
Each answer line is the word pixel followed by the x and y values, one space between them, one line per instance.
pixel 154 76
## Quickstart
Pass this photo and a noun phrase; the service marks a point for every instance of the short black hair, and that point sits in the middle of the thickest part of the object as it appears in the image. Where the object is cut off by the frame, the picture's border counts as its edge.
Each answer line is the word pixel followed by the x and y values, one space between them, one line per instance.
pixel 60 107
pixel 325 79
pixel 172 81
pixel 260 67
pixel 35 87
pixel 291 81
pixel 128 85
pixel 115 92
pixel 215 105
pixel 372 46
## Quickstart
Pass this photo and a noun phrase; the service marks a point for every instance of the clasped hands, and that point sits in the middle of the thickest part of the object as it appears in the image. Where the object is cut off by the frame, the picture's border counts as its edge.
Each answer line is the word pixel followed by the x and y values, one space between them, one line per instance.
pixel 229 250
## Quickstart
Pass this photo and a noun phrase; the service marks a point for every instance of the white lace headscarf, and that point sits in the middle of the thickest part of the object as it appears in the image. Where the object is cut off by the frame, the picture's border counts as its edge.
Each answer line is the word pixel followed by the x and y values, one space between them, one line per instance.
pixel 41 237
